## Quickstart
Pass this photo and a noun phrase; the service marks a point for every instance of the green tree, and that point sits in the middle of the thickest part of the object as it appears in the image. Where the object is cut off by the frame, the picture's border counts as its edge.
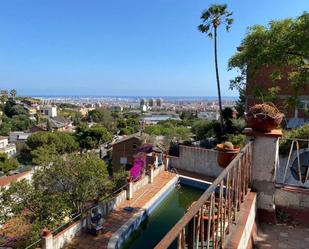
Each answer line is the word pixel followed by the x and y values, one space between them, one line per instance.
pixel 91 138
pixel 212 18
pixel 7 164
pixel 45 145
pixel 77 178
pixel 104 117
pixel 283 46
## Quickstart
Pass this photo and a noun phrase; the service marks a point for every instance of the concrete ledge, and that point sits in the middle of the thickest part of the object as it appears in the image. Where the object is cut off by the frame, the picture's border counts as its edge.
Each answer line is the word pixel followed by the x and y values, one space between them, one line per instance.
pixel 242 235
pixel 124 231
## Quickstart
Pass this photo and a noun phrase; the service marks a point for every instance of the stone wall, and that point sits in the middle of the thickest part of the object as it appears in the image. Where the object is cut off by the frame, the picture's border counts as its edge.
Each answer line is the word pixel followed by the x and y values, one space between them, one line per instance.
pixel 197 160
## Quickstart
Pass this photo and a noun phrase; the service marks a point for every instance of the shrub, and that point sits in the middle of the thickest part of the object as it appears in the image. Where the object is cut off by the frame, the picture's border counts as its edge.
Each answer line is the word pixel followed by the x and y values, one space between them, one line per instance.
pixel 237 140
pixel 301 132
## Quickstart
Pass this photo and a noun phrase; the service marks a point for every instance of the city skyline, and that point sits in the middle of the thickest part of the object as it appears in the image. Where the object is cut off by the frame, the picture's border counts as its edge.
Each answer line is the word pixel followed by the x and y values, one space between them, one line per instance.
pixel 119 48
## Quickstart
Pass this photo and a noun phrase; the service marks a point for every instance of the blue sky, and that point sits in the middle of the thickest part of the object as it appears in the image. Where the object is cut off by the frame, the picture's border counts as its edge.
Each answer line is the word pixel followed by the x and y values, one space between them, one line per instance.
pixel 137 47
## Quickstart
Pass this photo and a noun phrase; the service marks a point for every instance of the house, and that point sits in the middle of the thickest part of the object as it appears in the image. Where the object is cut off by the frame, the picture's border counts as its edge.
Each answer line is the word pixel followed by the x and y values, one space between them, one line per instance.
pixel 6 147
pixel 123 152
pixel 259 81
pixel 59 123
pixel 19 136
pixel 49 110
pixel 38 127
pixel 7 180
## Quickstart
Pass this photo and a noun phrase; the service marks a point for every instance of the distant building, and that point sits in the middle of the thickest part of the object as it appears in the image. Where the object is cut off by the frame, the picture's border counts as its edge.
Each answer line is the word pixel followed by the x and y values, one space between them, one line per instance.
pixel 59 124
pixel 152 102
pixel 155 118
pixel 208 115
pixel 159 102
pixel 49 110
pixel 144 108
pixel 6 147
pixel 4 93
pixel 116 108
pixel 143 102
pixel 123 152
pixel 17 136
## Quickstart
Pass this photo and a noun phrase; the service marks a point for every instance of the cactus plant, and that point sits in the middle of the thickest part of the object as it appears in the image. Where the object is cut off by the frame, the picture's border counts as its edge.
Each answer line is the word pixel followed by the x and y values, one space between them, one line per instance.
pixel 228 146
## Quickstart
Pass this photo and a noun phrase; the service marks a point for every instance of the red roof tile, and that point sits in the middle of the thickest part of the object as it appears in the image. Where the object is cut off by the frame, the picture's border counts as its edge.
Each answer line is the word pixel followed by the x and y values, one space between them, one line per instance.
pixel 8 179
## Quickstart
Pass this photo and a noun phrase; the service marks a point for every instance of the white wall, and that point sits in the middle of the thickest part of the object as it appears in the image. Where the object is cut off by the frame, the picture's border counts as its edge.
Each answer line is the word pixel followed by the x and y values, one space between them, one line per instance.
pixel 197 160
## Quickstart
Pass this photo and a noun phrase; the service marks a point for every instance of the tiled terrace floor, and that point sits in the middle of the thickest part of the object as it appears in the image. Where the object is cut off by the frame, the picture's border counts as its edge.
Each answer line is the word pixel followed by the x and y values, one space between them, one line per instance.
pixel 119 217
pixel 282 237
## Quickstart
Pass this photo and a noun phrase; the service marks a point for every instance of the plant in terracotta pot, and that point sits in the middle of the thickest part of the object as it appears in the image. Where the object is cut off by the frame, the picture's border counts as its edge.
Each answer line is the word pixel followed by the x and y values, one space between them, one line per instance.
pixel 264 117
pixel 226 153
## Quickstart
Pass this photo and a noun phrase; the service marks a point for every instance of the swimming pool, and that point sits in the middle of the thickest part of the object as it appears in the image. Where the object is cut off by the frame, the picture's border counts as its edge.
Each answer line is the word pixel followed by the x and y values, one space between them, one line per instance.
pixel 162 218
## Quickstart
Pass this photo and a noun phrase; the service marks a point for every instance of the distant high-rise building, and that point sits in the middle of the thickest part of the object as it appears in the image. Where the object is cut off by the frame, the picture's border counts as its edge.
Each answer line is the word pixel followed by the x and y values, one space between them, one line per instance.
pixel 143 102
pixel 152 102
pixel 159 102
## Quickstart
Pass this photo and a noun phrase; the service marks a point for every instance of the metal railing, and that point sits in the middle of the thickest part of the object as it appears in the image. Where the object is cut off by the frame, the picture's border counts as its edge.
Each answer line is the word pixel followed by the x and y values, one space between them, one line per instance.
pixel 294 166
pixel 208 221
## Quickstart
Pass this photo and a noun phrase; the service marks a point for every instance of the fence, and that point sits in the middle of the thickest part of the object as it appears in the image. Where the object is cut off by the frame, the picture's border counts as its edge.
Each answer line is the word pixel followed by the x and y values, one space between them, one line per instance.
pixel 207 222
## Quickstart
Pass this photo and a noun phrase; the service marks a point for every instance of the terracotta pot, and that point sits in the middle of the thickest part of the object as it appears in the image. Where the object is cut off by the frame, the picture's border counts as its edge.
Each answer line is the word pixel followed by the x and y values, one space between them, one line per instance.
pixel 46 232
pixel 225 156
pixel 262 122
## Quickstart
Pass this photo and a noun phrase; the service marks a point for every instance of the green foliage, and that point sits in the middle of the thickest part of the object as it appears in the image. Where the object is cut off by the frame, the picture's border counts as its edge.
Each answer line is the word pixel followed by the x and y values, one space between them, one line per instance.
pixel 120 179
pixel 7 164
pixel 126 131
pixel 213 17
pixel 46 145
pixel 301 132
pixel 91 138
pixel 77 178
pixel 204 129
pixel 103 117
pixel 5 128
pixel 15 118
pixel 170 129
pixel 282 45
pixel 11 109
pixel 188 115
pixel 237 140
pixel 55 192
pixel 241 103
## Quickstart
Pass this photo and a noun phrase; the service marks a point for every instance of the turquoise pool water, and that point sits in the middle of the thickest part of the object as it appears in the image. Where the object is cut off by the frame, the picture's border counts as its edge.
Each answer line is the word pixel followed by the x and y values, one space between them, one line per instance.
pixel 163 218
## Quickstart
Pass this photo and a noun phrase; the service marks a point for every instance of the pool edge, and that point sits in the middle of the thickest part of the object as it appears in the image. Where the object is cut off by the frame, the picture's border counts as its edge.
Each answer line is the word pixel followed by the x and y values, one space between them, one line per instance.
pixel 134 222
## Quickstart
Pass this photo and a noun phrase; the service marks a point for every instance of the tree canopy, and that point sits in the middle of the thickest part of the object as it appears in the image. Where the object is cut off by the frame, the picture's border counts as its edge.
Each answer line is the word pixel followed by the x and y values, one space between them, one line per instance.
pixel 55 193
pixel 7 164
pixel 45 145
pixel 91 137
pixel 282 44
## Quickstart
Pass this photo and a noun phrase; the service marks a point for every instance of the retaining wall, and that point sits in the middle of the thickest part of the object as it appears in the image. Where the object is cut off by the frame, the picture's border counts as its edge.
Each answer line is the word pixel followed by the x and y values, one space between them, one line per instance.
pixel 197 160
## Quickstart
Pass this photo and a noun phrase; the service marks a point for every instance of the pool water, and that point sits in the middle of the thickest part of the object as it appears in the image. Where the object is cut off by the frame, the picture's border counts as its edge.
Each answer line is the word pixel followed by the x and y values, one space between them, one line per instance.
pixel 162 219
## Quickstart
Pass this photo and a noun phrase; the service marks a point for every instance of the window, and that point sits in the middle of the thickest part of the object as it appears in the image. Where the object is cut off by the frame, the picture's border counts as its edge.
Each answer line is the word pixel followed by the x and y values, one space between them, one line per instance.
pixel 134 146
pixel 123 160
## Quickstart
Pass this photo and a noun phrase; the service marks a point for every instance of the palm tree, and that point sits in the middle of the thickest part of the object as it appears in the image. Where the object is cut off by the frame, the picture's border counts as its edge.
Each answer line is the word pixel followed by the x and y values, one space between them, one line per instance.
pixel 212 18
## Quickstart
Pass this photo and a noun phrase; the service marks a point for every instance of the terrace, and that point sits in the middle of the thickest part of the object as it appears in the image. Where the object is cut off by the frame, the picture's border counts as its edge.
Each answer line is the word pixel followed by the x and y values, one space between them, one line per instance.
pixel 254 202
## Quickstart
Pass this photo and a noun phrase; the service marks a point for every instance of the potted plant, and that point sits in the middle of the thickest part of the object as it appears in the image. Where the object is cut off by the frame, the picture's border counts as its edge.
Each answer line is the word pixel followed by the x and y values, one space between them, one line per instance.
pixel 263 117
pixel 226 153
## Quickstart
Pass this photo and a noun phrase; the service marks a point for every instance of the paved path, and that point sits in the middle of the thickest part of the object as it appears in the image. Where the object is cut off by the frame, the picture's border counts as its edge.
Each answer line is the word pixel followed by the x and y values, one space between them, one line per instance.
pixel 282 237
pixel 119 217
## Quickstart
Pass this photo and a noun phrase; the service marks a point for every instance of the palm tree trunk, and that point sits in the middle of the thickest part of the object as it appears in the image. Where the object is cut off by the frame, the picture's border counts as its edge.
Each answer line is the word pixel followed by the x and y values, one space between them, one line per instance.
pixel 218 81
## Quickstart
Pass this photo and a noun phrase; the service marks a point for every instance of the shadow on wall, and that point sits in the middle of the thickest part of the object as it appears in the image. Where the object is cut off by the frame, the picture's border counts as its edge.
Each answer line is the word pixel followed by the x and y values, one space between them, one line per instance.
pixel 197 160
